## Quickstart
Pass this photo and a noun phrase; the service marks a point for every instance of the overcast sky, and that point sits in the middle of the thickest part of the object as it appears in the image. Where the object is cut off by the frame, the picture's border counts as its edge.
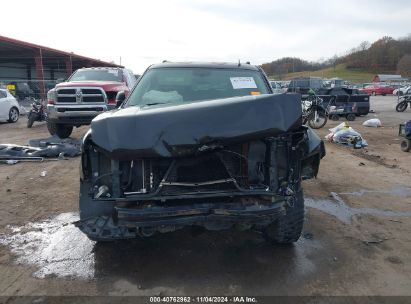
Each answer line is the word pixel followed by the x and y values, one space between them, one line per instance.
pixel 145 32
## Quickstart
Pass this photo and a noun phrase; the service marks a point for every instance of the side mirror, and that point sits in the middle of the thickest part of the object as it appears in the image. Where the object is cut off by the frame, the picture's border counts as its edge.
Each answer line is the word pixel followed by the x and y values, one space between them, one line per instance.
pixel 120 97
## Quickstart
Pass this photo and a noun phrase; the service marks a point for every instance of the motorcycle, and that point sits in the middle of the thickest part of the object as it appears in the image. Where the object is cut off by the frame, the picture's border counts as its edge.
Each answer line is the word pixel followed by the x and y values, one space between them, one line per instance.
pixel 314 113
pixel 37 113
pixel 403 102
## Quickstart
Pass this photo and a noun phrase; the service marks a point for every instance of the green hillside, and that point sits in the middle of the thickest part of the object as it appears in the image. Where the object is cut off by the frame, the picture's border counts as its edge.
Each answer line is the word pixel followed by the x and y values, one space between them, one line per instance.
pixel 354 76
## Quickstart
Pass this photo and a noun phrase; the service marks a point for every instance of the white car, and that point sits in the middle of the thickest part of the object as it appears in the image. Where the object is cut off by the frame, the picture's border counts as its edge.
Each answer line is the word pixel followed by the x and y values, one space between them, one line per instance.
pixel 402 91
pixel 9 107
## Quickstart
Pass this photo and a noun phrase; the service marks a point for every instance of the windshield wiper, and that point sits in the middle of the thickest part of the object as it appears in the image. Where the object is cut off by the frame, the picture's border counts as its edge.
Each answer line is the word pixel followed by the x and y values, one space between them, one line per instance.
pixel 153 104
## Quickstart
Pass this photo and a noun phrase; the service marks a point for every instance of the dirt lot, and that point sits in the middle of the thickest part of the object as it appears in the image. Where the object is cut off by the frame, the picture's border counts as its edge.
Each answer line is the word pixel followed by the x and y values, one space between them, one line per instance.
pixel 357 234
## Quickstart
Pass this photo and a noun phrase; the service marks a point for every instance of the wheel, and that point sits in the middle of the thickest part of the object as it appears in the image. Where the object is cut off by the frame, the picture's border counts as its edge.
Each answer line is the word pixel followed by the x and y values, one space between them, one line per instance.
pixel 402 106
pixel 51 127
pixel 350 117
pixel 63 131
pixel 13 115
pixel 373 93
pixel 31 119
pixel 406 145
pixel 287 229
pixel 335 117
pixel 317 119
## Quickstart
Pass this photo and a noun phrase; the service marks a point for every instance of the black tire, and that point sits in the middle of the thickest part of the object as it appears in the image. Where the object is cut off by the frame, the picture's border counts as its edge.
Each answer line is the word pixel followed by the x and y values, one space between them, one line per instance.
pixel 350 117
pixel 13 115
pixel 406 145
pixel 321 114
pixel 51 127
pixel 402 106
pixel 335 117
pixel 63 131
pixel 287 229
pixel 31 119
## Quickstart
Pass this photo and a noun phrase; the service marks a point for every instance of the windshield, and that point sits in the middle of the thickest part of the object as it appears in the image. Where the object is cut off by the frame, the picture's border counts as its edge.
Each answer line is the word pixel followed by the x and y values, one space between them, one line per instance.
pixel 185 85
pixel 97 75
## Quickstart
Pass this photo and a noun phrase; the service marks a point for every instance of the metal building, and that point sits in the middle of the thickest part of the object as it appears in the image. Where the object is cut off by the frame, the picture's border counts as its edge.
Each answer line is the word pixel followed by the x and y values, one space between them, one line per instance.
pixel 388 78
pixel 36 68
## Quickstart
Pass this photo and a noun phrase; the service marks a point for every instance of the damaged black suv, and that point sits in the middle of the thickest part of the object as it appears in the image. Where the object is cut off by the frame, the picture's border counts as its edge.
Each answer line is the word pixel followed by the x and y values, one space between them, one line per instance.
pixel 198 145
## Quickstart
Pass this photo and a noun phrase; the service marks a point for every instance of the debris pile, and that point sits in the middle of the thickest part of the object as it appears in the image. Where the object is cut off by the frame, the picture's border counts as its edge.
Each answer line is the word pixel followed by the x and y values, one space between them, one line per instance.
pixel 38 150
pixel 344 134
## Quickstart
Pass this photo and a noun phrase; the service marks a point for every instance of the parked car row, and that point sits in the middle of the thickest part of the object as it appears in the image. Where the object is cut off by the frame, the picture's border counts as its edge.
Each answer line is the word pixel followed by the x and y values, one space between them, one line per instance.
pixel 303 84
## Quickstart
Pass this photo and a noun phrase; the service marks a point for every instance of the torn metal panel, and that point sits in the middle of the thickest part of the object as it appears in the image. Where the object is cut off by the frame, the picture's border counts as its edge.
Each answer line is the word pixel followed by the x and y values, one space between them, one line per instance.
pixel 182 130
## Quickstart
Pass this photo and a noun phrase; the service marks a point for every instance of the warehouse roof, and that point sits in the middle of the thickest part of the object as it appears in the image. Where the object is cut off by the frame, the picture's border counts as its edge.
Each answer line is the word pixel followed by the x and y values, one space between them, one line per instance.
pixel 21 51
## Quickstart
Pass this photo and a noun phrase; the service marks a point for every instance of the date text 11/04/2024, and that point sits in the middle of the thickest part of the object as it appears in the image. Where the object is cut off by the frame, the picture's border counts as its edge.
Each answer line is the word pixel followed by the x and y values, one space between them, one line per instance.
pixel 203 299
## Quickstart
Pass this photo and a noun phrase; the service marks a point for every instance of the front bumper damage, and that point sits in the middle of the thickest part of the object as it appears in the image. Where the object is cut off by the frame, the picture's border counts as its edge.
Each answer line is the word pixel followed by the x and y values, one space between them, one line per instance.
pixel 126 223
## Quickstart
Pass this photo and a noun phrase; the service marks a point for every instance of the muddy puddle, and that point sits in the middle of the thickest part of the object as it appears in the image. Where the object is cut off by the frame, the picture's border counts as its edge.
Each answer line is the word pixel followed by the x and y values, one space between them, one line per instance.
pixel 338 208
pixel 55 248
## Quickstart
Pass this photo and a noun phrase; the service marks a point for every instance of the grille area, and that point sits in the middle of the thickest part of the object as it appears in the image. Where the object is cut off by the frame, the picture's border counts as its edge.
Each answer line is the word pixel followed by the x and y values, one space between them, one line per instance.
pixel 67 99
pixel 67 91
pixel 91 91
pixel 81 95
pixel 93 98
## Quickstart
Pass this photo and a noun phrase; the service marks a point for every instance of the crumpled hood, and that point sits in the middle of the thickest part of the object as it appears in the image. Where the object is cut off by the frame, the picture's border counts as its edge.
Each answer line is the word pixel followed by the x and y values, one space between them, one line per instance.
pixel 182 130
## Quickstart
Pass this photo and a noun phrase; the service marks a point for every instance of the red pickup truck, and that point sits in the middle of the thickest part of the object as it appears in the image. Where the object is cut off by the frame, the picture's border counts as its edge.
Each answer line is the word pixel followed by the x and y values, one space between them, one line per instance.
pixel 377 90
pixel 87 93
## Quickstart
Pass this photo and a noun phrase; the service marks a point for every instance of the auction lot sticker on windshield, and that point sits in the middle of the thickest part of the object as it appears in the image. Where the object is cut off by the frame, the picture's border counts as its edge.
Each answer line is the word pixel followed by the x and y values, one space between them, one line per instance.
pixel 243 83
pixel 115 72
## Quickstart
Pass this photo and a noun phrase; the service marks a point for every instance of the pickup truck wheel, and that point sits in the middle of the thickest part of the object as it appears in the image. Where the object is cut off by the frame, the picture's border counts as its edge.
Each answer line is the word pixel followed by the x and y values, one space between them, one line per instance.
pixel 406 145
pixel 63 131
pixel 287 229
pixel 51 127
